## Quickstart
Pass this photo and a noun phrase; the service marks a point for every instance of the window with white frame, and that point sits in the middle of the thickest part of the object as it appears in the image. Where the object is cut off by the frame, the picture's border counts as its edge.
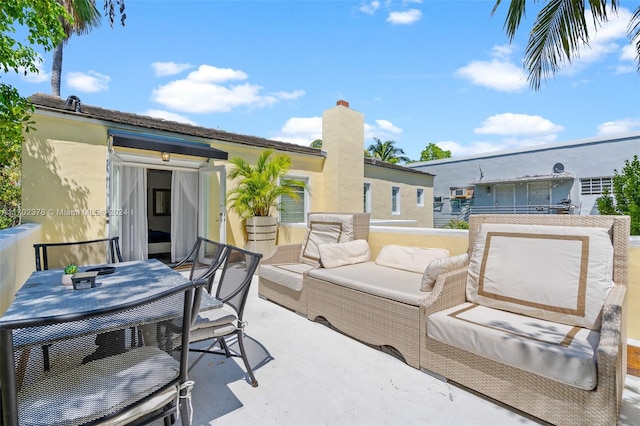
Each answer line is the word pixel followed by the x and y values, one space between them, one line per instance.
pixel 595 186
pixel 367 197
pixel 395 200
pixel 295 211
pixel 420 197
pixel 539 193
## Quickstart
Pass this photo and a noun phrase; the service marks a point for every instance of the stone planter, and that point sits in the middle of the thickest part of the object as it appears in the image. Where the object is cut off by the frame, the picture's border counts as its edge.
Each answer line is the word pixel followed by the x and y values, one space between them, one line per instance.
pixel 261 234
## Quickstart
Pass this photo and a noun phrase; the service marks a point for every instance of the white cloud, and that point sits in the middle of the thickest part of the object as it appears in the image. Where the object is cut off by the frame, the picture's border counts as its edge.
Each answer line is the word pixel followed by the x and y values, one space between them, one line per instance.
pixel 31 77
pixel 89 82
pixel 628 52
pixel 208 90
pixel 387 126
pixel 405 17
pixel 610 37
pixel 518 124
pixel 458 150
pixel 211 74
pixel 162 69
pixel 370 8
pixel 383 130
pixel 624 125
pixel 170 116
pixel 301 130
pixel 499 74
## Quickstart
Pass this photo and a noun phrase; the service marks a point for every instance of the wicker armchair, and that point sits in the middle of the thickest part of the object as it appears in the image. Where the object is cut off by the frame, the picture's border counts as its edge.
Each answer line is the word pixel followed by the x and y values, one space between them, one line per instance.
pixel 551 400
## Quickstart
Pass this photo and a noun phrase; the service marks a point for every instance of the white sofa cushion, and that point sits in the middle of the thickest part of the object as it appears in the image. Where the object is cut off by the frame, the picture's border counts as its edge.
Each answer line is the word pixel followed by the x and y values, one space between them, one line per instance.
pixel 441 266
pixel 286 274
pixel 560 274
pixel 558 352
pixel 325 228
pixel 412 259
pixel 390 283
pixel 339 254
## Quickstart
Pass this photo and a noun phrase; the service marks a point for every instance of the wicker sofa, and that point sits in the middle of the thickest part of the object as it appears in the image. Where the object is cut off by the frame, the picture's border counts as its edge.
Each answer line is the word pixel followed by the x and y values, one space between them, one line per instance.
pixel 281 274
pixel 585 387
pixel 377 302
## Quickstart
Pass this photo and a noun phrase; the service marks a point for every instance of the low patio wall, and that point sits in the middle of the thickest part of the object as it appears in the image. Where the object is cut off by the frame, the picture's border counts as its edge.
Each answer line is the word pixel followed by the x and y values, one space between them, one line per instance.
pixel 16 259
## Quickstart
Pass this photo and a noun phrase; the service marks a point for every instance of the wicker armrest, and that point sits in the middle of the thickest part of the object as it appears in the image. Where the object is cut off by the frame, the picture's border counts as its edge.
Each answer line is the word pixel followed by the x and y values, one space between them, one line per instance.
pixel 612 329
pixel 287 253
pixel 449 290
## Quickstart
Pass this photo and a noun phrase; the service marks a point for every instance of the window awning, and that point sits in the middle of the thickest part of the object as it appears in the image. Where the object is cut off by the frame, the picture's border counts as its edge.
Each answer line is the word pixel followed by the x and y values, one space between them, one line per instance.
pixel 537 178
pixel 163 144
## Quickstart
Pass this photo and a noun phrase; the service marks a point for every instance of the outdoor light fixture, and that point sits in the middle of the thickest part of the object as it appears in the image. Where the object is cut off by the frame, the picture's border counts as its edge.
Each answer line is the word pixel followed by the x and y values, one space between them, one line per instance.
pixel 166 156
pixel 488 189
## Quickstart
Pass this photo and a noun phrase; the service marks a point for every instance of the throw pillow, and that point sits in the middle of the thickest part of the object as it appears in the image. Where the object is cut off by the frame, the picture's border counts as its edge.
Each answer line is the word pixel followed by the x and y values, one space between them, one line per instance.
pixel 340 254
pixel 412 259
pixel 441 266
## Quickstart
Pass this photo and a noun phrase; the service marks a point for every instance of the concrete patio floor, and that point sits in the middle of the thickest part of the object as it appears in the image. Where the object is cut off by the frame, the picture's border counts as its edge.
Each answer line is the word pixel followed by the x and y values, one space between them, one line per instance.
pixel 309 374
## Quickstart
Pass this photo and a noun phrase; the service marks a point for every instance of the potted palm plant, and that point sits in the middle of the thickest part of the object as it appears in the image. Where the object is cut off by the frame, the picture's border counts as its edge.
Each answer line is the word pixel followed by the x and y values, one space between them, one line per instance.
pixel 256 197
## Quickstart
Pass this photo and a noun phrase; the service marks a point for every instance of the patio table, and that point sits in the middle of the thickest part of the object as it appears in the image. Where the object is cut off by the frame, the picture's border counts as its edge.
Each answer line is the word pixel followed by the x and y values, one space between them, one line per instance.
pixel 43 298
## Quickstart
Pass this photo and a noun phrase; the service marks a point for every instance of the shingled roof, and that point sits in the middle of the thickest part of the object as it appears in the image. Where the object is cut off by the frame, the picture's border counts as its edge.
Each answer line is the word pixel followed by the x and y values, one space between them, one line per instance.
pixel 54 103
pixel 48 102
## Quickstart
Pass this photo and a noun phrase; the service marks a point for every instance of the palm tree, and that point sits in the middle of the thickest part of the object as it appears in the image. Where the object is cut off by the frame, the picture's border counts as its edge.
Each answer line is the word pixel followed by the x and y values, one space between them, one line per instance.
pixel 85 17
pixel 386 151
pixel 560 29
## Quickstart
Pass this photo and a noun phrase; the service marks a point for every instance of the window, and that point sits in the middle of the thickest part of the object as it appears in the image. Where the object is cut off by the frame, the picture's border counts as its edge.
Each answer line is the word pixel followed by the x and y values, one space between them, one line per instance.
pixel 594 186
pixel 294 211
pixel 420 197
pixel 395 200
pixel 367 198
pixel 539 193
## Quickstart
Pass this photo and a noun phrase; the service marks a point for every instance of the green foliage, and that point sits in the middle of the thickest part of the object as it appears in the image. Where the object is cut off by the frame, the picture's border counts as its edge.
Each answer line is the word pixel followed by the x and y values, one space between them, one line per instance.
pixel 457 224
pixel 260 186
pixel 71 268
pixel 387 151
pixel 316 144
pixel 41 18
pixel 626 191
pixel 434 152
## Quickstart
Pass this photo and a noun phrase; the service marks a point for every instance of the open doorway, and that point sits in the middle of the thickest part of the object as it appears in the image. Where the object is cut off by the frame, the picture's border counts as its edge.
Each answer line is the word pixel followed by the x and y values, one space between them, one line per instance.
pixel 159 214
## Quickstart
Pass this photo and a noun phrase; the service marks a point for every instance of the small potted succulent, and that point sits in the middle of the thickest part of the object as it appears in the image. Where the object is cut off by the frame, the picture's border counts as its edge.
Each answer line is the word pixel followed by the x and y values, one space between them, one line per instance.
pixel 69 270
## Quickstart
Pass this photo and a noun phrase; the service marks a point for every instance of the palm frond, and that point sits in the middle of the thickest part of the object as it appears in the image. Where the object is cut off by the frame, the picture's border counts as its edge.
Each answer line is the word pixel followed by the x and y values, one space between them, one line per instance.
pixel 634 33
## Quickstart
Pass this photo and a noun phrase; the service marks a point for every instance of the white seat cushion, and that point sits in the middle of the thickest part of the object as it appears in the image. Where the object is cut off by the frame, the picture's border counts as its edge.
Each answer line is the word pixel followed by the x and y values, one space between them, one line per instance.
pixel 395 284
pixel 556 273
pixel 140 372
pixel 558 352
pixel 285 274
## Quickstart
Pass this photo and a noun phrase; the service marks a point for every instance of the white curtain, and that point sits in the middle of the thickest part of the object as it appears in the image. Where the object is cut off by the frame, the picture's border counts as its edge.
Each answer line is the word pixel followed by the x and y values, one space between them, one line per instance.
pixel 184 213
pixel 133 225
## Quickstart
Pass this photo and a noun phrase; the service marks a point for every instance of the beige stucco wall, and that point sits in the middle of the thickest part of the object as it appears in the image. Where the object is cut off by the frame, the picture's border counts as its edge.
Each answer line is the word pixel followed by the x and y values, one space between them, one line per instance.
pixel 382 180
pixel 16 259
pixel 633 290
pixel 64 179
pixel 343 140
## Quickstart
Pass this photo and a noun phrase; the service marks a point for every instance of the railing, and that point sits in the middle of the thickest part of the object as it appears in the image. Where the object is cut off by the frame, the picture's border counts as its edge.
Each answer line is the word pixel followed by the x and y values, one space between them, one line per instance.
pixel 524 209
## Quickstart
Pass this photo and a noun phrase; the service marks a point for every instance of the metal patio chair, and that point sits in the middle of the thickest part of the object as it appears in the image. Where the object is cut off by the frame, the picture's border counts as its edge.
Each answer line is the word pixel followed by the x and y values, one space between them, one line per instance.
pixel 220 323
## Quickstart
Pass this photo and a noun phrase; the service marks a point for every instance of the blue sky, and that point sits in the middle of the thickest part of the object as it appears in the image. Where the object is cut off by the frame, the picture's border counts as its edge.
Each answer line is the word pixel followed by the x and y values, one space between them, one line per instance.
pixel 420 72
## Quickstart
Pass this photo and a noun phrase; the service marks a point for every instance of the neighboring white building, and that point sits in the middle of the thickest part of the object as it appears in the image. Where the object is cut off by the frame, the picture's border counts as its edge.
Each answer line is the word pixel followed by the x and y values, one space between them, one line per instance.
pixel 565 177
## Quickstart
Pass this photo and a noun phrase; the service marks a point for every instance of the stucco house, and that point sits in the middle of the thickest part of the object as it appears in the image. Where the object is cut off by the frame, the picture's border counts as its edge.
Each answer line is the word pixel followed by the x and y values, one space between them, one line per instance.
pixel 565 177
pixel 90 172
